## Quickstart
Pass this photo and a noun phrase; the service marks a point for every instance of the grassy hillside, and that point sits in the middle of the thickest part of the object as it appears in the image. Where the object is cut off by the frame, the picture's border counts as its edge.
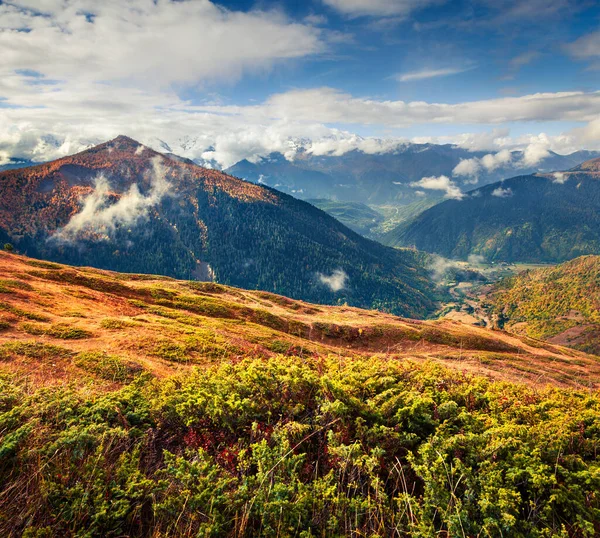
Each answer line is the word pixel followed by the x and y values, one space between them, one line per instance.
pixel 141 406
pixel 136 405
pixel 162 326
pixel 124 207
pixel 522 219
pixel 560 304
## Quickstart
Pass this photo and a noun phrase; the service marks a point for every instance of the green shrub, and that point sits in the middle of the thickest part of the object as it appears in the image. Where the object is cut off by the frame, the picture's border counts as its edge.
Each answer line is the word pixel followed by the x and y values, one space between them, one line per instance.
pixel 109 367
pixel 33 350
pixel 16 311
pixel 299 447
pixel 114 323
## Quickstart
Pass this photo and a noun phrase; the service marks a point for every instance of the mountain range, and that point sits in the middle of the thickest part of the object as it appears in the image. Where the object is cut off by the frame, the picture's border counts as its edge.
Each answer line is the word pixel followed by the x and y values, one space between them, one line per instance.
pixel 533 218
pixel 385 178
pixel 123 206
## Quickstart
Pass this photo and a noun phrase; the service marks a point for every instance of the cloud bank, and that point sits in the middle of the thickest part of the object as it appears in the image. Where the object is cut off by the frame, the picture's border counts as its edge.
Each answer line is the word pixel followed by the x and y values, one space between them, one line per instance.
pixel 76 72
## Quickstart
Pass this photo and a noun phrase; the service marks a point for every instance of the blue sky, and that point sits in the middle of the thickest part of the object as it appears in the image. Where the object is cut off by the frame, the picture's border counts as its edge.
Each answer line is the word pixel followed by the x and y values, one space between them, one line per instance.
pixel 247 77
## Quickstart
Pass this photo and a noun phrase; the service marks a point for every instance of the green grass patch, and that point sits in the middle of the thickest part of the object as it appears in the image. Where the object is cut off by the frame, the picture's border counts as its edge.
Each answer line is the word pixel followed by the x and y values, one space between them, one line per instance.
pixel 109 367
pixel 32 350
pixel 19 312
pixel 115 323
pixel 59 330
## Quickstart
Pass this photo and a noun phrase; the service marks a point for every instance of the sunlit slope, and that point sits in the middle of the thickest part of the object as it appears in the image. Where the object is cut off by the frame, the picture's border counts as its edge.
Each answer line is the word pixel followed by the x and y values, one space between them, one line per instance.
pixel 62 323
pixel 560 304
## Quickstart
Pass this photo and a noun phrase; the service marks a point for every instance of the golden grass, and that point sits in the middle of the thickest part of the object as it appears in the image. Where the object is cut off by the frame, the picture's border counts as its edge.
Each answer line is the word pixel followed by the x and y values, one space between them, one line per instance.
pixel 114 326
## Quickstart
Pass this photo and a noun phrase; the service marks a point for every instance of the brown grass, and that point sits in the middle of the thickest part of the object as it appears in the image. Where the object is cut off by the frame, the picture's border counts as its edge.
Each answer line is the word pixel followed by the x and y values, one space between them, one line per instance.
pixel 126 324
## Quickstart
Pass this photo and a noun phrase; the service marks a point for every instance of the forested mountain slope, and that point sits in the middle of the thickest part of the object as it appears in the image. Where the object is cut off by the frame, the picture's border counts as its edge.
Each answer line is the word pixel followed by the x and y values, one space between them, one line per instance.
pixel 125 207
pixel 560 304
pixel 549 218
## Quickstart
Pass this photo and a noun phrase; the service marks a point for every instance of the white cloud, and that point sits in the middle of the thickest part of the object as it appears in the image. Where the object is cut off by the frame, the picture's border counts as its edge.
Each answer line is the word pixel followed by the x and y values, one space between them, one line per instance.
pixel 534 153
pixel 336 281
pixel 523 59
pixel 560 178
pixel 359 8
pixel 467 168
pixel 328 105
pixel 430 73
pixel 161 42
pixel 501 192
pixel 440 183
pixel 100 217
pixel 586 47
pixel 492 161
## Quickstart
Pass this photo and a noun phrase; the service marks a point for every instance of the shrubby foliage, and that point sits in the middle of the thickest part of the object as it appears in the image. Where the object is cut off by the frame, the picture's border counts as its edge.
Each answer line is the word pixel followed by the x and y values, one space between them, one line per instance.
pixel 300 447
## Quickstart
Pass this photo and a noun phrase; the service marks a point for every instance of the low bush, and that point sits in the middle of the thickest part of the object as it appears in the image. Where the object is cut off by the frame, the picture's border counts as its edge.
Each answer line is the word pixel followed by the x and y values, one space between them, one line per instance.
pixel 300 447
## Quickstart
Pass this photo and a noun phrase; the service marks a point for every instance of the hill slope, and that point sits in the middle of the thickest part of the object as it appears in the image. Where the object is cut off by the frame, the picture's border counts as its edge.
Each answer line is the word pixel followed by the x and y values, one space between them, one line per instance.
pixel 300 420
pixel 124 207
pixel 358 217
pixel 526 218
pixel 163 325
pixel 560 304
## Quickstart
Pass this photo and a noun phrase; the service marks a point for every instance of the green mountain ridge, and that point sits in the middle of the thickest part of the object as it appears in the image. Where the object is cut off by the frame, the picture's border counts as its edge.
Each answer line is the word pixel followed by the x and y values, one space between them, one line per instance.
pixel 540 218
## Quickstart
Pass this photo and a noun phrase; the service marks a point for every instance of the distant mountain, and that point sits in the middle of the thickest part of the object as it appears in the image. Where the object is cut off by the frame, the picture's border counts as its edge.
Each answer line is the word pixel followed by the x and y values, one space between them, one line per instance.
pixel 382 178
pixel 534 218
pixel 123 206
pixel 15 163
pixel 358 217
pixel 560 304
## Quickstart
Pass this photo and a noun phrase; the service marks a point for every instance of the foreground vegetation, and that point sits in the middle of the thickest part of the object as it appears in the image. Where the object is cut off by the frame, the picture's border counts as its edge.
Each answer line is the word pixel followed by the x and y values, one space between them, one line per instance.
pixel 141 406
pixel 300 447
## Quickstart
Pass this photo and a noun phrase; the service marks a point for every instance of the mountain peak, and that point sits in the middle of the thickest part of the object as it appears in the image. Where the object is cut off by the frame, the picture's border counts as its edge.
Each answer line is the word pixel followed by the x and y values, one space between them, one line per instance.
pixel 124 140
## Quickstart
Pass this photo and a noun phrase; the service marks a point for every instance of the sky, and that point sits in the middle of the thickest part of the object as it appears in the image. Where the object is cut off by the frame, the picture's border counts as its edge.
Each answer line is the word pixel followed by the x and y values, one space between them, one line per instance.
pixel 236 79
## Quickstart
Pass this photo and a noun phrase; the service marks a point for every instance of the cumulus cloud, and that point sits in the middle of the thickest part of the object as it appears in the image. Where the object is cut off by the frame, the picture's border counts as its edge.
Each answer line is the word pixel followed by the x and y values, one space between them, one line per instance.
pixel 534 153
pixel 492 161
pixel 501 192
pixel 560 178
pixel 467 168
pixel 336 281
pixel 100 217
pixel 430 73
pixel 139 39
pixel 440 183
